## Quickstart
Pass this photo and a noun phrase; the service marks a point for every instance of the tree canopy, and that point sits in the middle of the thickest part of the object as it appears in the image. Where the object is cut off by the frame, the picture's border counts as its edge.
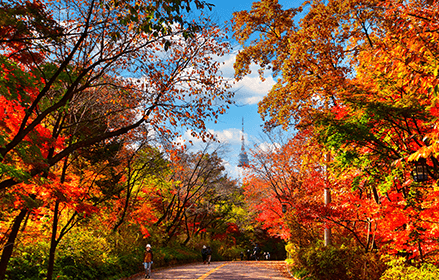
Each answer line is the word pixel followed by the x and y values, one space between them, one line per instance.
pixel 358 79
pixel 82 84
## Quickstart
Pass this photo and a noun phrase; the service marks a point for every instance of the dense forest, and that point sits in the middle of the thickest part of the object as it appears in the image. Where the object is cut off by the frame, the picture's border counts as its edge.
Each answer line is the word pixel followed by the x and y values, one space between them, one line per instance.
pixel 353 184
pixel 96 96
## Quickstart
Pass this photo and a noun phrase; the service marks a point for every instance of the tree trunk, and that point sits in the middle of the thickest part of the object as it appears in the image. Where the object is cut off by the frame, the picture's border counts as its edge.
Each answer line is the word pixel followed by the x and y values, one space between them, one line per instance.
pixel 53 243
pixel 9 247
pixel 186 241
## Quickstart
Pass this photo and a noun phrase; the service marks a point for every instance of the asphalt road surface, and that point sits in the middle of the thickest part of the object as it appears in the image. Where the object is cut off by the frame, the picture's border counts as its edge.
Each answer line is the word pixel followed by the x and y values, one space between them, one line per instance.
pixel 237 270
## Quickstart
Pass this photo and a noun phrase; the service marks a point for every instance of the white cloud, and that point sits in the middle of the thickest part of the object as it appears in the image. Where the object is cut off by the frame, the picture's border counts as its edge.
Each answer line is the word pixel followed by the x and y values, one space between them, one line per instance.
pixel 249 90
pixel 230 136
pixel 267 147
pixel 229 140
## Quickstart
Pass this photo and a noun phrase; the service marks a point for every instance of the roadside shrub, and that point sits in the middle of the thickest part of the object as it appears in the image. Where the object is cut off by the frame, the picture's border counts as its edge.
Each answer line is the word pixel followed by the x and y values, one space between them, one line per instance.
pixel 223 251
pixel 28 262
pixel 400 270
pixel 321 262
pixel 80 255
pixel 174 253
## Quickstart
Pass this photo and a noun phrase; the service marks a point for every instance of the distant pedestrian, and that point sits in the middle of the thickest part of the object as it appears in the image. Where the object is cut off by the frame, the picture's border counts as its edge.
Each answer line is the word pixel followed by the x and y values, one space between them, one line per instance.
pixel 256 251
pixel 204 254
pixel 242 255
pixel 209 254
pixel 248 254
pixel 267 256
pixel 147 261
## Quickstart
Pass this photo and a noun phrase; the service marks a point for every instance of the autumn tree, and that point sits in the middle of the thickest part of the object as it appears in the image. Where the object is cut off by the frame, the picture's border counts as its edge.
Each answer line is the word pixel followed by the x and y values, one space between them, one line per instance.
pixel 285 186
pixel 93 72
pixel 392 111
pixel 140 165
pixel 314 57
pixel 85 72
pixel 362 76
pixel 197 196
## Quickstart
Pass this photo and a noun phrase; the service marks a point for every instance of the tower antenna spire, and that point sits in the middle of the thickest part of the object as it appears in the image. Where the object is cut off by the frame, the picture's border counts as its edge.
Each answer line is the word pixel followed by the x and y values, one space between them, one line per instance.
pixel 243 158
pixel 242 137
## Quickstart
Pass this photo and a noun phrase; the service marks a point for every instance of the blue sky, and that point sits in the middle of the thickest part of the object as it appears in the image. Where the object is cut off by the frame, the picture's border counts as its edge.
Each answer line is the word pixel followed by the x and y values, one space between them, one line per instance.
pixel 249 92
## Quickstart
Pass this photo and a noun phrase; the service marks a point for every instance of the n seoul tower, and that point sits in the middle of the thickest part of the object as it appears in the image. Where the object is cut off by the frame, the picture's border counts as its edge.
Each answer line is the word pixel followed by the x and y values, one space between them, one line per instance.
pixel 243 158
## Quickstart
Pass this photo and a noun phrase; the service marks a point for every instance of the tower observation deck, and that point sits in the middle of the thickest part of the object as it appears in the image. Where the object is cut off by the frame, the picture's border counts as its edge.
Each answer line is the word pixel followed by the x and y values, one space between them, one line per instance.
pixel 243 158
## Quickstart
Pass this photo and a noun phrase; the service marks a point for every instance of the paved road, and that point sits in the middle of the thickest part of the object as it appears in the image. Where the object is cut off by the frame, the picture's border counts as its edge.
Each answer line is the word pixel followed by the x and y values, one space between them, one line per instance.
pixel 238 270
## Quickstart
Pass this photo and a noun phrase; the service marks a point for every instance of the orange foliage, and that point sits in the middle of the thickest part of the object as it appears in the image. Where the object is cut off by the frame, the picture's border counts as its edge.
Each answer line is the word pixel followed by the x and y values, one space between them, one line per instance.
pixel 362 75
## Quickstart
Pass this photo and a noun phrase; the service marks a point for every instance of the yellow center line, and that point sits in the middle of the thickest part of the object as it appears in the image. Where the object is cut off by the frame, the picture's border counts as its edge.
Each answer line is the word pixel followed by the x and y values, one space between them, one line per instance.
pixel 210 272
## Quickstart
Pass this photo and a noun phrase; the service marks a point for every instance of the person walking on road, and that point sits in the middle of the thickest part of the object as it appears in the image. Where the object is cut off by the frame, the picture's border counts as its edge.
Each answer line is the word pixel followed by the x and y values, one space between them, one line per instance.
pixel 147 261
pixel 204 254
pixel 256 252
pixel 248 254
pixel 209 254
